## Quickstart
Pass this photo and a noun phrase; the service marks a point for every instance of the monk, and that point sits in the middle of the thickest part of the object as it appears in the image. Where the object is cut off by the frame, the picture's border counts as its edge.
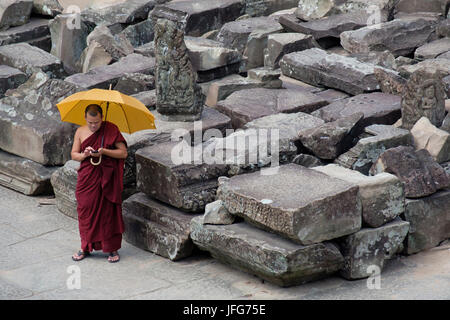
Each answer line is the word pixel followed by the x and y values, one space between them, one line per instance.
pixel 99 187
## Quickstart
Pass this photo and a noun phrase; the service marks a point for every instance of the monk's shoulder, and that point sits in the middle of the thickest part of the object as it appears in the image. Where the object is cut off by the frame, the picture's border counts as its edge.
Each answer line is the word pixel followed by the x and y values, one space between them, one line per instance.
pixel 82 133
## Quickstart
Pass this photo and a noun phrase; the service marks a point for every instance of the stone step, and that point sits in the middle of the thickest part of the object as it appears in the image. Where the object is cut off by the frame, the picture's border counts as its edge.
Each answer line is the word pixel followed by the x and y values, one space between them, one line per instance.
pixel 25 176
pixel 266 255
pixel 156 227
pixel 162 174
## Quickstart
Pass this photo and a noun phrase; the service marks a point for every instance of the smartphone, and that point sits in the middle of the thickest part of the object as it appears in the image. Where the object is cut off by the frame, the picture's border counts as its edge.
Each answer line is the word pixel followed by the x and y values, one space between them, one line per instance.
pixel 95 151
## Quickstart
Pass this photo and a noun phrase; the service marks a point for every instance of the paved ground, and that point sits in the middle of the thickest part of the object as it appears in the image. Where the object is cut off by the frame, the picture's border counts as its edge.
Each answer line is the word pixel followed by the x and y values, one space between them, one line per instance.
pixel 35 263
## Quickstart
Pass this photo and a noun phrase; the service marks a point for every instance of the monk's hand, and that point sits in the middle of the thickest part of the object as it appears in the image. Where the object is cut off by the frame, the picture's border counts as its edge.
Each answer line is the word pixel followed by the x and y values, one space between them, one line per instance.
pixel 96 154
pixel 86 153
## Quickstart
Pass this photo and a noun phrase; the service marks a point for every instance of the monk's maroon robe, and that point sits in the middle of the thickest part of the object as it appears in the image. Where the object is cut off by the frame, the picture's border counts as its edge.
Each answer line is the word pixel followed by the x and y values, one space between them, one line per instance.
pixel 99 194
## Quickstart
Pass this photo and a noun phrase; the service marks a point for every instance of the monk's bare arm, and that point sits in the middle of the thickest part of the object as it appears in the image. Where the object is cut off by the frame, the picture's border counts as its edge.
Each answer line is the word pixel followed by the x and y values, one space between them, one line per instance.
pixel 119 153
pixel 76 148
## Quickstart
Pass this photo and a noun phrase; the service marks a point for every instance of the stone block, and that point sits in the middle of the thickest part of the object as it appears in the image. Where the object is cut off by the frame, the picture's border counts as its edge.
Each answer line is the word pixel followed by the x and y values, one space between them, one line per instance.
pixel 30 123
pixel 371 247
pixel 318 68
pixel 249 37
pixel 156 227
pixel 35 28
pixel 400 36
pixel 265 255
pixel 378 108
pixel 432 49
pixel 200 16
pixel 25 176
pixel 421 175
pixel 376 139
pixel 15 13
pixel 215 213
pixel 29 60
pixel 297 203
pixel 382 196
pixel 280 44
pixel 246 105
pixel 429 218
pixel 101 77
pixel 10 78
pixel 329 140
pixel 434 140
pixel 164 174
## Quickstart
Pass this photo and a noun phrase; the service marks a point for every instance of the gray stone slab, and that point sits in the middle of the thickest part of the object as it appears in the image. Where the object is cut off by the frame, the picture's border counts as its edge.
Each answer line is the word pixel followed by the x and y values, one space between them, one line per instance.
pixel 36 28
pixel 25 176
pixel 206 54
pixel 257 8
pixel 30 123
pixel 295 202
pixel 15 13
pixel 328 27
pixel 222 88
pixel 421 175
pixel 429 220
pixel 102 77
pixel 371 247
pixel 64 182
pixel 29 59
pixel 382 196
pixel 376 140
pixel 156 227
pixel 124 12
pixel 249 37
pixel 200 16
pixel 266 255
pixel 319 68
pixel 169 173
pixel 378 108
pixel 280 44
pixel 10 78
pixel 246 105
pixel 432 49
pixel 331 139
pixel 288 125
pixel 399 36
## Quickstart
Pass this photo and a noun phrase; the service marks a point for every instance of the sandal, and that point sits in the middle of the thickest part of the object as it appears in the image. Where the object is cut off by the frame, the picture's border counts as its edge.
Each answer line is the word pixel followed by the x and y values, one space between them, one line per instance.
pixel 81 255
pixel 113 255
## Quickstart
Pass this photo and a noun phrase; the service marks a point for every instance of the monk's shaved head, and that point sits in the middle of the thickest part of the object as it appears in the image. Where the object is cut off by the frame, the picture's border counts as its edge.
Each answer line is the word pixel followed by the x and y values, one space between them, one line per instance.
pixel 93 110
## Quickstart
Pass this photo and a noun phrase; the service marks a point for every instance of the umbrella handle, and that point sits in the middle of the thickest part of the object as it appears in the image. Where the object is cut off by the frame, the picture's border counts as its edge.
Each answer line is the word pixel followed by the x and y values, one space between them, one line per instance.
pixel 97 163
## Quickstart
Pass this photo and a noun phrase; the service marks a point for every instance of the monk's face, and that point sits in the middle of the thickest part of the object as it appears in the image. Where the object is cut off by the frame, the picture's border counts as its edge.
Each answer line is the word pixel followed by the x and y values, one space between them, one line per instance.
pixel 93 123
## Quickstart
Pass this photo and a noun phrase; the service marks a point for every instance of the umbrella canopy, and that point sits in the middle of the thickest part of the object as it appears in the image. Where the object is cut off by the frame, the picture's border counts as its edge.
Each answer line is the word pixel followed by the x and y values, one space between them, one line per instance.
pixel 127 113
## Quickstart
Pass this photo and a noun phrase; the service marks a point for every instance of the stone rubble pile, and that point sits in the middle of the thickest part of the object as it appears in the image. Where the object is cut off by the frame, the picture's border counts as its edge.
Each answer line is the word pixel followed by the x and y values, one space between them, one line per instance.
pixel 295 139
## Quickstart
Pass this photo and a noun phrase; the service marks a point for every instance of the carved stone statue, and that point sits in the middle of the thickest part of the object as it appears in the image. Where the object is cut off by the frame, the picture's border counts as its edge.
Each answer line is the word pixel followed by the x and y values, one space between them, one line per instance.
pixel 179 97
pixel 424 96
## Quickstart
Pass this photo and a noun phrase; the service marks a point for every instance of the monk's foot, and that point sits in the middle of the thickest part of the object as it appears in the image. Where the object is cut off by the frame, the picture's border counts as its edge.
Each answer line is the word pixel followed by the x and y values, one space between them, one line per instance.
pixel 113 257
pixel 80 255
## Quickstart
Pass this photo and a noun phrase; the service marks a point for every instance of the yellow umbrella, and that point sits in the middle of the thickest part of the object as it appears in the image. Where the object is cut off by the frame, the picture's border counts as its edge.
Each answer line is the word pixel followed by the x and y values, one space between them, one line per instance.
pixel 128 113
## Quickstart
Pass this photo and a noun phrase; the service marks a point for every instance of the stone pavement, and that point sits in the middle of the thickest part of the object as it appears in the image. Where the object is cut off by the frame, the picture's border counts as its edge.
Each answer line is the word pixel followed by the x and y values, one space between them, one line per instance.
pixel 38 241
